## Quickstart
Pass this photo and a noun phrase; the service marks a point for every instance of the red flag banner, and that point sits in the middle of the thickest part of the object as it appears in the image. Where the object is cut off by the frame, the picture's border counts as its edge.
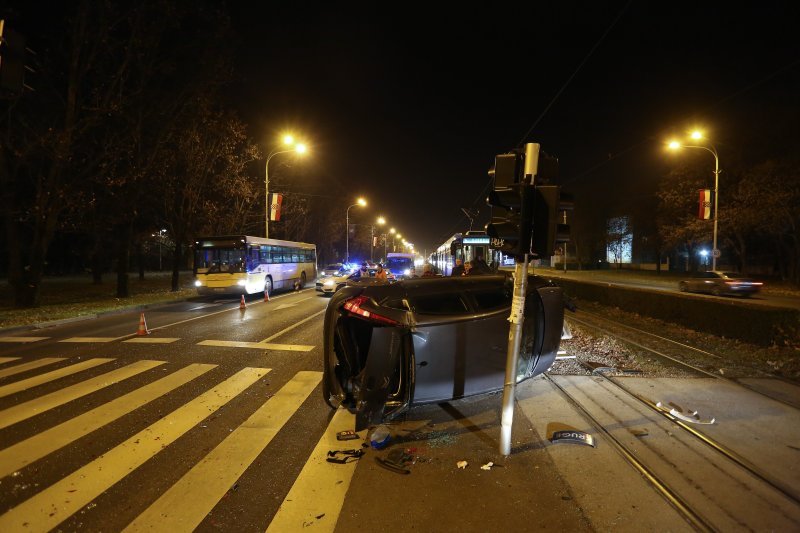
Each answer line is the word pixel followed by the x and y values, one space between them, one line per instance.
pixel 705 203
pixel 275 201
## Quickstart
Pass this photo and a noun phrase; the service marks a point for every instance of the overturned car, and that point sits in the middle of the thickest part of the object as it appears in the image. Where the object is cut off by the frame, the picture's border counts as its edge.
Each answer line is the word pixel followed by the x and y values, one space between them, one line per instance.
pixel 389 347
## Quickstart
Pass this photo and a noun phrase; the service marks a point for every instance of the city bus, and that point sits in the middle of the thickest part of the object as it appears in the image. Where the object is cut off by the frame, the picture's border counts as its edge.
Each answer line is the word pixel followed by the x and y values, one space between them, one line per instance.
pixel 240 264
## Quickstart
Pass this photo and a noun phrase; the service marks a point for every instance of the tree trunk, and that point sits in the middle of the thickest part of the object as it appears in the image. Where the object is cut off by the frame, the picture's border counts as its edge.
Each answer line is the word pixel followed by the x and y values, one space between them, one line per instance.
pixel 123 259
pixel 140 260
pixel 176 265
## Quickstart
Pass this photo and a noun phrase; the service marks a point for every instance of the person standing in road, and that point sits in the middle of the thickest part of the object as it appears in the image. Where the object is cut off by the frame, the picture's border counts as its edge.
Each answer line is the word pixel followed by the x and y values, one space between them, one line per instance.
pixel 364 272
pixel 467 268
pixel 479 266
pixel 458 270
pixel 427 271
pixel 380 273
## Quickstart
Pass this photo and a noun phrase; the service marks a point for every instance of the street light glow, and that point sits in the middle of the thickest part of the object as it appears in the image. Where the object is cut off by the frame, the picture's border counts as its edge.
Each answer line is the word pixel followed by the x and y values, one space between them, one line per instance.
pixel 381 221
pixel 300 148
pixel 288 139
pixel 697 134
pixel 391 230
pixel 674 145
pixel 361 202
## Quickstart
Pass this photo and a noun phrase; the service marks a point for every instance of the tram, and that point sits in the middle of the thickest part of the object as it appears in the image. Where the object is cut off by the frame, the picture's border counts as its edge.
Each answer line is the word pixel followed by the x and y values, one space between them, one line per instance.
pixel 467 246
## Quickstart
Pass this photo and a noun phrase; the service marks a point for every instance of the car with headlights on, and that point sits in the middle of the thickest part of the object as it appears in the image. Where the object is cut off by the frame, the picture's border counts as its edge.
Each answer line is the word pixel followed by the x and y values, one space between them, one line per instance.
pixel 719 283
pixel 388 347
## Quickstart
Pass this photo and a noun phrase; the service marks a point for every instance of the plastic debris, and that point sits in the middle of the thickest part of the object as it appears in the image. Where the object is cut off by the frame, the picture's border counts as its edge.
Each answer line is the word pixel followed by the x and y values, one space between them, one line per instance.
pixel 573 436
pixel 347 434
pixel 462 464
pixel 487 466
pixel 639 432
pixel 380 437
pixel 347 456
pixel 677 412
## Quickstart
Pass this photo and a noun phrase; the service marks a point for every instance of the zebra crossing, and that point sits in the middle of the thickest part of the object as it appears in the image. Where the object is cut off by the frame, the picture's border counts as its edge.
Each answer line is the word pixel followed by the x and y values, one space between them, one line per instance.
pixel 262 345
pixel 185 504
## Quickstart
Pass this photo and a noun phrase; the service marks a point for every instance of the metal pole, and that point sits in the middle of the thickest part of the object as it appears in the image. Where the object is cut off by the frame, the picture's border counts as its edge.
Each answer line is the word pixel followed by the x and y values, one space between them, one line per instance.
pixel 347 238
pixel 714 251
pixel 371 242
pixel 266 188
pixel 517 319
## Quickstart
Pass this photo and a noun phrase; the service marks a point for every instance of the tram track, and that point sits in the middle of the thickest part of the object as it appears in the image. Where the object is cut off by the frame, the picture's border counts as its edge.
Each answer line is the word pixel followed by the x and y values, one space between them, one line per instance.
pixel 674 359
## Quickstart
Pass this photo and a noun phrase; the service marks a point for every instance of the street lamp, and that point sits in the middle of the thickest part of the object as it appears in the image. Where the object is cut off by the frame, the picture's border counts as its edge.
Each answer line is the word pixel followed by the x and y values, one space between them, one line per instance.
pixel 381 221
pixel 699 136
pixel 392 232
pixel 298 148
pixel 362 203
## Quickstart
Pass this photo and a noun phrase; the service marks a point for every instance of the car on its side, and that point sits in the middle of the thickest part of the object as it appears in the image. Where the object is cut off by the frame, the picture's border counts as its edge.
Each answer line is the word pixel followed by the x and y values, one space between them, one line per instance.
pixel 388 347
pixel 719 283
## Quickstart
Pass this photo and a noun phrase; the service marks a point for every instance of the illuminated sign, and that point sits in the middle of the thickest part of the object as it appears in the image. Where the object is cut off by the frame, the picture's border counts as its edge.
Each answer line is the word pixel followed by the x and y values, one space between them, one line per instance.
pixel 476 240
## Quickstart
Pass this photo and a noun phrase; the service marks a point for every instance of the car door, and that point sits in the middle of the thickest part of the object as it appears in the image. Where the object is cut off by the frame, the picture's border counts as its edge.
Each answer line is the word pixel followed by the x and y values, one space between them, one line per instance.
pixel 457 351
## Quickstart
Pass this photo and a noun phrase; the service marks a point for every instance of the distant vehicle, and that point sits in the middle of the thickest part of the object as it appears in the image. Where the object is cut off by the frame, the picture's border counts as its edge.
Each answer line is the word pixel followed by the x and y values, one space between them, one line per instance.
pixel 240 264
pixel 331 284
pixel 399 264
pixel 334 269
pixel 390 347
pixel 719 283
pixel 467 247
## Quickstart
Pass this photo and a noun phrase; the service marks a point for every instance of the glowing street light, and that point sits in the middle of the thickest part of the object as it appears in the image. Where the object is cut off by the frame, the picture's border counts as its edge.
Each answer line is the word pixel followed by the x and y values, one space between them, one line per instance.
pixel 381 221
pixel 289 145
pixel 362 203
pixel 698 135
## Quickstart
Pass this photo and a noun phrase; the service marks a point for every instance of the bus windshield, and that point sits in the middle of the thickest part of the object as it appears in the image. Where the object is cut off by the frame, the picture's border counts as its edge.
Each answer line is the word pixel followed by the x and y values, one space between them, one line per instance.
pixel 399 265
pixel 214 260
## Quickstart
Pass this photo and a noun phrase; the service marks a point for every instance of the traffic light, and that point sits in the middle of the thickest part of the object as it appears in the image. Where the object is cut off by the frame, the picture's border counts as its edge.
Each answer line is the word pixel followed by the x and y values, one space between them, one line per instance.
pixel 12 61
pixel 550 219
pixel 511 201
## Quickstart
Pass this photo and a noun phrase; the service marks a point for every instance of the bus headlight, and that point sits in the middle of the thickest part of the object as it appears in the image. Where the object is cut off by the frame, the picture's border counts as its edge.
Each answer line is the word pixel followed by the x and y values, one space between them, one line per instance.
pixel 406 272
pixel 198 283
pixel 241 282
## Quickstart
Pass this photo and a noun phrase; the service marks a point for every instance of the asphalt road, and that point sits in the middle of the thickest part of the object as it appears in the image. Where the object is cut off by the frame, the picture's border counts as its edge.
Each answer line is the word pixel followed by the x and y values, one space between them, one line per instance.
pixel 215 421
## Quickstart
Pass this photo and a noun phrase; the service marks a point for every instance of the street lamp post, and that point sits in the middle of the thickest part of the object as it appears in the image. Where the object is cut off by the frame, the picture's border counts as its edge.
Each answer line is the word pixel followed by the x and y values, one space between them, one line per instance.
pixel 295 147
pixel 362 203
pixel 381 221
pixel 697 135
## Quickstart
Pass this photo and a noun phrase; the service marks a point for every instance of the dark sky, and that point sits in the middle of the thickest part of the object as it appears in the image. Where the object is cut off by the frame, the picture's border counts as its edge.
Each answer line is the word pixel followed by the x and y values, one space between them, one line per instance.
pixel 407 104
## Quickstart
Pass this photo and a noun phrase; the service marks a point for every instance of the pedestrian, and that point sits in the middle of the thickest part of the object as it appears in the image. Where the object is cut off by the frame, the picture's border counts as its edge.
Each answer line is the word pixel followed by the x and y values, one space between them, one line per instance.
pixel 458 270
pixel 467 268
pixel 479 266
pixel 380 273
pixel 412 272
pixel 427 271
pixel 364 272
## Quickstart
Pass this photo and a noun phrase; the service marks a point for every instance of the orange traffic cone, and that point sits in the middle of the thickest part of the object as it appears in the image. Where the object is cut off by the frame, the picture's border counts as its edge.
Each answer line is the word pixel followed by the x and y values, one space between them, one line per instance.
pixel 266 295
pixel 242 305
pixel 142 326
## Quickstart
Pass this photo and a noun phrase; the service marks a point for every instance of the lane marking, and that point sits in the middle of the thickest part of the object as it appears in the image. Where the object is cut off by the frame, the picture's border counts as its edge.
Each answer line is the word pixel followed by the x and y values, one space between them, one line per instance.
pixel 4 360
pixel 45 510
pixel 259 345
pixel 153 340
pixel 44 403
pixel 287 306
pixel 281 332
pixel 187 503
pixel 91 339
pixel 320 488
pixel 24 367
pixel 23 339
pixel 26 452
pixel 11 388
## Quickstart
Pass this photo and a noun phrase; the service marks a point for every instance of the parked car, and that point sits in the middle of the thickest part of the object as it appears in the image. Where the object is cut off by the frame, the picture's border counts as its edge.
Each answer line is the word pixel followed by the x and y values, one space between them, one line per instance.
pixel 719 283
pixel 390 347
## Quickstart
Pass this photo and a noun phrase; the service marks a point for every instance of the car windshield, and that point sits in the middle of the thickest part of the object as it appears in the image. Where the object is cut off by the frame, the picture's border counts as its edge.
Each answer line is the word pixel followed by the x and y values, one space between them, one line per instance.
pixel 731 275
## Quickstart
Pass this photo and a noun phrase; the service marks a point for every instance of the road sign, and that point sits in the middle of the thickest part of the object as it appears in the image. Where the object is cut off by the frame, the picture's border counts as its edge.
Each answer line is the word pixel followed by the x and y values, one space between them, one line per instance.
pixel 716 253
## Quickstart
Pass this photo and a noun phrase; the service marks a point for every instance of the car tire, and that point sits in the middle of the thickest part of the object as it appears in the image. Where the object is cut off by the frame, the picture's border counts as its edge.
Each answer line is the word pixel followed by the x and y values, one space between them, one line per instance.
pixel 716 292
pixel 683 287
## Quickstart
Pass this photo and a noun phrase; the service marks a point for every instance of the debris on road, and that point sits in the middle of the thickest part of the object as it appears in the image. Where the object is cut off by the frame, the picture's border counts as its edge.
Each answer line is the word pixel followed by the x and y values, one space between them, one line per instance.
pixel 347 434
pixel 347 456
pixel 487 466
pixel 462 464
pixel 677 412
pixel 573 436
pixel 380 437
pixel 639 432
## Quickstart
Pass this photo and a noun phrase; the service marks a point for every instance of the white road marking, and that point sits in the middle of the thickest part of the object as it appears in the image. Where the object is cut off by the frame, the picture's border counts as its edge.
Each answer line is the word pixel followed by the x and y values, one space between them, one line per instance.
pixel 286 306
pixel 281 332
pixel 320 488
pixel 153 340
pixel 23 339
pixel 91 339
pixel 259 345
pixel 44 403
pixel 25 384
pixel 45 510
pixel 186 504
pixel 24 367
pixel 4 360
pixel 25 452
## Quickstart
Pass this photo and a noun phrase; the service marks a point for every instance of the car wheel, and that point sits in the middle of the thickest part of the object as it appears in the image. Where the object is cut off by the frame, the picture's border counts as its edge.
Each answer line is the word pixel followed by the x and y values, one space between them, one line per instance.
pixel 683 287
pixel 716 291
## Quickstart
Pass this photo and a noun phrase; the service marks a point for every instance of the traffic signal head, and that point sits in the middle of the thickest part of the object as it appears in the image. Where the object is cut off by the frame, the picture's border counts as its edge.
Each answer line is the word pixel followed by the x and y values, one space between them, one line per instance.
pixel 510 228
pixel 550 219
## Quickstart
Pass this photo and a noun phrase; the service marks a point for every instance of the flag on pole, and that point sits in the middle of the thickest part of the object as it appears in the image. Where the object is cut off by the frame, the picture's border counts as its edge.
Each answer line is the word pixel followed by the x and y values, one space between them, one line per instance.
pixel 275 201
pixel 705 202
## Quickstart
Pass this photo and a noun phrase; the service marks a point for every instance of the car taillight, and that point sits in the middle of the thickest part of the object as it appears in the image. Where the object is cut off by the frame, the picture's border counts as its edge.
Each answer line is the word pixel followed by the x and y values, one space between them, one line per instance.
pixel 353 305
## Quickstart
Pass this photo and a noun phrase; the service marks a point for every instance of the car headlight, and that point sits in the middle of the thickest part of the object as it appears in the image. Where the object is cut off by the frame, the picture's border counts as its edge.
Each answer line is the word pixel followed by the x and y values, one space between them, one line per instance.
pixel 198 283
pixel 406 272
pixel 328 283
pixel 241 282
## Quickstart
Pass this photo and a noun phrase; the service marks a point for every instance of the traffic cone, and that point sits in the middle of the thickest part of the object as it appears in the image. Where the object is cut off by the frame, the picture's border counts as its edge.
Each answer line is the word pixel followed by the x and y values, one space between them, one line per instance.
pixel 242 305
pixel 266 295
pixel 142 326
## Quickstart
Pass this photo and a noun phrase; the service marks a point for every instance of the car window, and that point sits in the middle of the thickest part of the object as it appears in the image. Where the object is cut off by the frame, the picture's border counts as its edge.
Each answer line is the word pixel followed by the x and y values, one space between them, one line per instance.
pixel 438 304
pixel 492 299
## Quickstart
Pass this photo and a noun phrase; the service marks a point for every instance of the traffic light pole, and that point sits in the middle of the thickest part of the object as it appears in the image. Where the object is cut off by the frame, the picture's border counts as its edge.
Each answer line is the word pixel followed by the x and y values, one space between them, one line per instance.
pixel 517 319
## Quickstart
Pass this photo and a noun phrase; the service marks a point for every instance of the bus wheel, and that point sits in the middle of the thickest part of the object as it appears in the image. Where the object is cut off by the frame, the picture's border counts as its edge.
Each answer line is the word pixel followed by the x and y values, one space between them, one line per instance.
pixel 268 285
pixel 303 279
